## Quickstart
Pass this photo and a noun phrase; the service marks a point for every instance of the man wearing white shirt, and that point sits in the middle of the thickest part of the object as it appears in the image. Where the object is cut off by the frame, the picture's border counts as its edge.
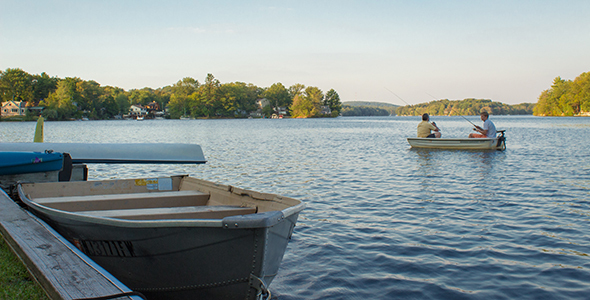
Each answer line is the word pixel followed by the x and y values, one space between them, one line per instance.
pixel 488 130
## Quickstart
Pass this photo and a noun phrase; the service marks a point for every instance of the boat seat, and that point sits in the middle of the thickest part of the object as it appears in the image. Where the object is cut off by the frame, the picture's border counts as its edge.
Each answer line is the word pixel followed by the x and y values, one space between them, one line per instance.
pixel 126 201
pixel 163 213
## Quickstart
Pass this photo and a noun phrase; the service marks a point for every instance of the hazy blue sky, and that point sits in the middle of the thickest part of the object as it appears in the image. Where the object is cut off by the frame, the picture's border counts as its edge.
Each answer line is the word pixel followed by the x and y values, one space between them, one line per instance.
pixel 507 51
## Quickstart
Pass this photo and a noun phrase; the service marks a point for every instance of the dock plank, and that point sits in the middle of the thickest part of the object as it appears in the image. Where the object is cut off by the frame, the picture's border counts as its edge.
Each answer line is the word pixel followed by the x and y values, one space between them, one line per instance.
pixel 62 270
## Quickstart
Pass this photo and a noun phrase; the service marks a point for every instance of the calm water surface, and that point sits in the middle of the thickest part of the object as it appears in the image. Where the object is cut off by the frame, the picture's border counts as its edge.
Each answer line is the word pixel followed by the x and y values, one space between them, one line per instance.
pixel 384 221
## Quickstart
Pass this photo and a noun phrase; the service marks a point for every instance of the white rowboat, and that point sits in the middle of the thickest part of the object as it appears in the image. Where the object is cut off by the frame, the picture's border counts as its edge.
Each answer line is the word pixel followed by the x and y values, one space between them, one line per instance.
pixel 498 143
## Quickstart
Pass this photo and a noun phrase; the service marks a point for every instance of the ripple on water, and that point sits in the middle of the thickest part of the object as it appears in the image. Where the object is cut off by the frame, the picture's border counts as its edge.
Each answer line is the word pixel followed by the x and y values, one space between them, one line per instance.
pixel 384 221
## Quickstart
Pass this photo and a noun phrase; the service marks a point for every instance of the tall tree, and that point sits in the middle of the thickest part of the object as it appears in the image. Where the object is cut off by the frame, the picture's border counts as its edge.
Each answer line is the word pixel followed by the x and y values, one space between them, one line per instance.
pixel 240 96
pixel 307 105
pixel 209 97
pixel 296 90
pixel 17 85
pixel 278 95
pixel 60 105
pixel 89 93
pixel 182 95
pixel 332 100
pixel 43 85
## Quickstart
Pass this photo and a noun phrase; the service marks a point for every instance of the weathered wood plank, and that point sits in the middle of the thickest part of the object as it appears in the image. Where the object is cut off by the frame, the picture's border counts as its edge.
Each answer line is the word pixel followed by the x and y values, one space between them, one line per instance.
pixel 62 270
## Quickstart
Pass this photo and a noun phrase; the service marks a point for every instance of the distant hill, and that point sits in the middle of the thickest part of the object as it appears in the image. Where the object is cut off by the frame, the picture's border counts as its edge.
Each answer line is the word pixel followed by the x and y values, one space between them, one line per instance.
pixel 369 103
pixel 468 106
pixel 368 108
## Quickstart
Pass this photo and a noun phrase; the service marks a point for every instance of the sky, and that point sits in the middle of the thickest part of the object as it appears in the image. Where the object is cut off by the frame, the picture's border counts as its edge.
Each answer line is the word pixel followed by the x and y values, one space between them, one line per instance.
pixel 387 51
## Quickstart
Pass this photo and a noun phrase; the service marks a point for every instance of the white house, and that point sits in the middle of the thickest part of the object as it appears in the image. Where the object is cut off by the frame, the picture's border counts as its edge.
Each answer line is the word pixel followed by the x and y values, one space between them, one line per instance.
pixel 137 110
pixel 14 108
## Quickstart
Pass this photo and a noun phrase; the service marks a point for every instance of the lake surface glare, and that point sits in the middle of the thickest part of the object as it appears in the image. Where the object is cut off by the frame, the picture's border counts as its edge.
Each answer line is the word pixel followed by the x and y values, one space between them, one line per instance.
pixel 384 221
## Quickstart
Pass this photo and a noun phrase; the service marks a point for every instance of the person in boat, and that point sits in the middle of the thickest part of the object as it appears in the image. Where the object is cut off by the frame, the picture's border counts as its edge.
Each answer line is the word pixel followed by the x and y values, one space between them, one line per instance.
pixel 425 128
pixel 488 130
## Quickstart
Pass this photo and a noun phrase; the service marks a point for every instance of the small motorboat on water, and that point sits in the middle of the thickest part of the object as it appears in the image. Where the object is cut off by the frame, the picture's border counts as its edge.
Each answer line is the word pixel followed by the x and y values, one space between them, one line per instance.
pixel 173 237
pixel 498 143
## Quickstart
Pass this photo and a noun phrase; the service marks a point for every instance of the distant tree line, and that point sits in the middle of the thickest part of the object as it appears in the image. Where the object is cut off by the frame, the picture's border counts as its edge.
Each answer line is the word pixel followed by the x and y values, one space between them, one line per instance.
pixel 358 111
pixel 73 98
pixel 565 98
pixel 465 107
pixel 367 108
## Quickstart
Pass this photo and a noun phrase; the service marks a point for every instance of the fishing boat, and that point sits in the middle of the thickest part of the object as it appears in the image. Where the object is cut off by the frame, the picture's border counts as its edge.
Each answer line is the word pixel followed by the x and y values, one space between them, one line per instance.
pixel 498 143
pixel 172 237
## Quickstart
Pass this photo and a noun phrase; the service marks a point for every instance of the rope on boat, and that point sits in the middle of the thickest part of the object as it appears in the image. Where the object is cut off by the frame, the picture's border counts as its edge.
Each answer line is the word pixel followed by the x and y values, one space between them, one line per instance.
pixel 263 291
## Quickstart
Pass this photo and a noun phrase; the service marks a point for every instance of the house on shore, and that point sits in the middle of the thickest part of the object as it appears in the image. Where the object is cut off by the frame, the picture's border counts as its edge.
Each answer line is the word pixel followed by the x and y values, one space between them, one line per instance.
pixel 137 110
pixel 14 108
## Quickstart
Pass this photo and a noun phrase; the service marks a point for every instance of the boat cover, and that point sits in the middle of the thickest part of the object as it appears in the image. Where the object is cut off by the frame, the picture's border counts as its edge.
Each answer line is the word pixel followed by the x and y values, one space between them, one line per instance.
pixel 122 153
pixel 29 162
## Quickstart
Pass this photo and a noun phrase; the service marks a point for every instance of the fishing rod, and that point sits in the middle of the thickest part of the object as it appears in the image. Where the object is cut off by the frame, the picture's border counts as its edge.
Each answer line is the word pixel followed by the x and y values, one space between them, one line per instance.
pixel 431 96
pixel 469 122
pixel 397 96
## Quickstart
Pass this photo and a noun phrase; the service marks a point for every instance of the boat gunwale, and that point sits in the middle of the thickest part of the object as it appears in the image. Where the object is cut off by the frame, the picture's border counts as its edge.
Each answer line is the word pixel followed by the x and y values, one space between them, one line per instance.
pixel 455 143
pixel 455 139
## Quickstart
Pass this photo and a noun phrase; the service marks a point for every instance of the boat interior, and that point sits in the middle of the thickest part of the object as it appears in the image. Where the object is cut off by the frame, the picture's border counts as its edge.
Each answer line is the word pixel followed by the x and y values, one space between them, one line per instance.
pixel 177 197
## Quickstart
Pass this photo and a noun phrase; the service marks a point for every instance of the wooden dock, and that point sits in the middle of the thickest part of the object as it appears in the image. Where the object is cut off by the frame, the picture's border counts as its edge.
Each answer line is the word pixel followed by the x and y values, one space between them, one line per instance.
pixel 63 271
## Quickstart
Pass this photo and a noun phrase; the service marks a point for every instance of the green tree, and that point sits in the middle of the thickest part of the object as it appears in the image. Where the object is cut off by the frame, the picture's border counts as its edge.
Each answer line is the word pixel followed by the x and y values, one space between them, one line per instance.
pixel 208 102
pixel 308 104
pixel 16 85
pixel 278 96
pixel 182 97
pixel 88 97
pixel 143 96
pixel 332 100
pixel 43 85
pixel 242 97
pixel 296 90
pixel 62 101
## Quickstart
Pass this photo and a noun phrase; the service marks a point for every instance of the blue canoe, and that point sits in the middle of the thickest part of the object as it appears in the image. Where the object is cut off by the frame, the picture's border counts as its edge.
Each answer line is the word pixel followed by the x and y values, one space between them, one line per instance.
pixel 29 162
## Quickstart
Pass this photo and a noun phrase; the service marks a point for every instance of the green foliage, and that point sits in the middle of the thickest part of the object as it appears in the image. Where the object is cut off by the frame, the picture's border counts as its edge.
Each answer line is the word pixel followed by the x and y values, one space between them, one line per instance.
pixel 62 101
pixel 369 108
pixel 16 85
pixel 296 90
pixel 358 111
pixel 277 95
pixel 73 98
pixel 306 106
pixel 332 100
pixel 565 97
pixel 464 107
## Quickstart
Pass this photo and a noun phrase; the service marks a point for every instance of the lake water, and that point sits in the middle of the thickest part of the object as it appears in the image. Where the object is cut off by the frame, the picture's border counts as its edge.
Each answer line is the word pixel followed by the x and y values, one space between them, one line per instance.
pixel 384 221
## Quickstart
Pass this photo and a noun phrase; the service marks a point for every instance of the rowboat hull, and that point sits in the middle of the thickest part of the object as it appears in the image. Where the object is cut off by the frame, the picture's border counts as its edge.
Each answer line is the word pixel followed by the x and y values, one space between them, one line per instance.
pixel 174 257
pixel 458 144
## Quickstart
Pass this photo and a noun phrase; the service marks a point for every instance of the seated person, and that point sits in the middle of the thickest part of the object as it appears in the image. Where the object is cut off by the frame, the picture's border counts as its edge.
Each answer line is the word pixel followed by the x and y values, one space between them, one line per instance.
pixel 488 130
pixel 424 128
